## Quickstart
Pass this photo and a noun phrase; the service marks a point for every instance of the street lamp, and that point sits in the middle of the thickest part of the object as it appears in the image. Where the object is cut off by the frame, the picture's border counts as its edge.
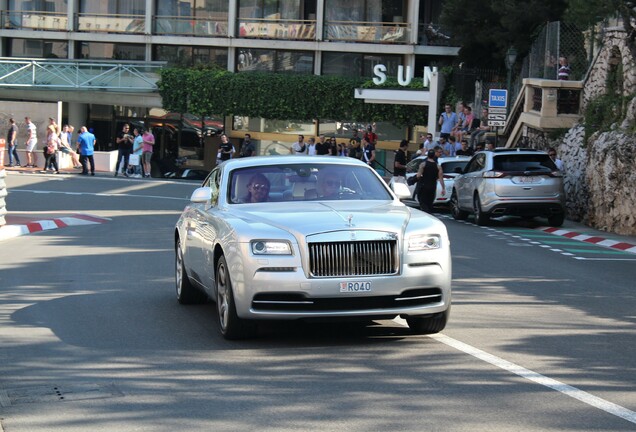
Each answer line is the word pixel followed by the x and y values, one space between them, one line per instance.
pixel 511 58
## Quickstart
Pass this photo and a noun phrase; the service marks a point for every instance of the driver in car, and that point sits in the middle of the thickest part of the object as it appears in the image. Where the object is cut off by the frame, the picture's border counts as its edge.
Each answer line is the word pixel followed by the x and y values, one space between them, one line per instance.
pixel 257 189
pixel 328 184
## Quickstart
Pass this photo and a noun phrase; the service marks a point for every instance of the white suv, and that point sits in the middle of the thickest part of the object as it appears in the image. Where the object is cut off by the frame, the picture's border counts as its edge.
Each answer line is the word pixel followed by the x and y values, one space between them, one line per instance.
pixel 518 182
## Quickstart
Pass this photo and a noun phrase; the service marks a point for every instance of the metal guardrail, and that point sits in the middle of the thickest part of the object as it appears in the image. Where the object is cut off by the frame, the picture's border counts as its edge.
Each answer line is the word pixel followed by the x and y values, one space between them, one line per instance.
pixel 79 75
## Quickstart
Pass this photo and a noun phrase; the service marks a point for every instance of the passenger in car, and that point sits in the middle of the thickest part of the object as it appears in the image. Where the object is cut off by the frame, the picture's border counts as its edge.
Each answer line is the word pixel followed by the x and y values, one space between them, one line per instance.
pixel 257 189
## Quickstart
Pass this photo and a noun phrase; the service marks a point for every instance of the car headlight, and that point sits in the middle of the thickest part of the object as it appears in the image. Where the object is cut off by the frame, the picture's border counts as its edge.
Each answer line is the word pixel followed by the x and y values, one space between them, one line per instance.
pixel 270 247
pixel 425 242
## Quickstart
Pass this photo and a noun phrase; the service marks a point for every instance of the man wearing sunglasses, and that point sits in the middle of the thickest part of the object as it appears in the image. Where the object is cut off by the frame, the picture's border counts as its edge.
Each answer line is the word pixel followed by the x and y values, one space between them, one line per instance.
pixel 328 184
pixel 257 189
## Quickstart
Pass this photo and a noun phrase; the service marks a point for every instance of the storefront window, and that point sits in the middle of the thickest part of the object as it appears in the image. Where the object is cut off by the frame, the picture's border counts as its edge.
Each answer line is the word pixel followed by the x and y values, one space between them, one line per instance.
pixel 358 65
pixel 189 55
pixel 37 48
pixel 285 127
pixel 118 51
pixel 249 60
pixel 345 130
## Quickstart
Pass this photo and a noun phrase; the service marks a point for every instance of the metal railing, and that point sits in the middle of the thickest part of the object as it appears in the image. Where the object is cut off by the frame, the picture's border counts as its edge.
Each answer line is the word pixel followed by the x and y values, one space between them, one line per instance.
pixel 79 75
pixel 433 35
pixel 189 26
pixel 111 23
pixel 364 31
pixel 277 28
pixel 35 20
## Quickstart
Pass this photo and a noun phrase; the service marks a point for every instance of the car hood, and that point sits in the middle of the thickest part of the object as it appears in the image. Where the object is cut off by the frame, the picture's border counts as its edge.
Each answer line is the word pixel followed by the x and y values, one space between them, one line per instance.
pixel 307 218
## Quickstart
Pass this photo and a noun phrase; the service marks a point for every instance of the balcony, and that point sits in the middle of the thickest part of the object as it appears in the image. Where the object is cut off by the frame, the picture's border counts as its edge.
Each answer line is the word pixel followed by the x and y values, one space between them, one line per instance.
pixel 434 35
pixel 362 31
pixel 34 20
pixel 189 26
pixel 265 28
pixel 544 105
pixel 111 23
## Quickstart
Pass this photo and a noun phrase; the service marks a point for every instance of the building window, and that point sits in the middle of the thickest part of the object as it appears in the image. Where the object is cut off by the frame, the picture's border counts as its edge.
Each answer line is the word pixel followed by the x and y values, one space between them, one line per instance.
pixel 358 65
pixel 112 16
pixel 36 48
pixel 283 127
pixel 37 15
pixel 177 55
pixel 381 21
pixel 192 17
pixel 119 51
pixel 249 60
pixel 277 19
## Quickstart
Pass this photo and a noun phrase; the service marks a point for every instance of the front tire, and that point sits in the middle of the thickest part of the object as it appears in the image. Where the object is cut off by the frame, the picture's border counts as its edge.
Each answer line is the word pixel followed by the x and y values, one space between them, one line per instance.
pixel 481 218
pixel 429 324
pixel 232 327
pixel 186 292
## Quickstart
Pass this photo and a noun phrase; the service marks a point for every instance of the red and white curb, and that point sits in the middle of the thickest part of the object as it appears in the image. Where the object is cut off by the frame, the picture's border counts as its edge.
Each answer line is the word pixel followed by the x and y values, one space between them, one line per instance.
pixel 614 244
pixel 10 231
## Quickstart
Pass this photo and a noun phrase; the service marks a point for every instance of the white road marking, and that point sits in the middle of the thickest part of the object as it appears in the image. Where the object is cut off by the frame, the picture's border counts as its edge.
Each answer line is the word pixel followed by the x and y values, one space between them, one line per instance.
pixel 566 389
pixel 100 194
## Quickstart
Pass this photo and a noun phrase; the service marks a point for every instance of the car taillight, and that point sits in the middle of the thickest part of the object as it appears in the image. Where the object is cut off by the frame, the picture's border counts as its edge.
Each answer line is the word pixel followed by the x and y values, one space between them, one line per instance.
pixel 494 174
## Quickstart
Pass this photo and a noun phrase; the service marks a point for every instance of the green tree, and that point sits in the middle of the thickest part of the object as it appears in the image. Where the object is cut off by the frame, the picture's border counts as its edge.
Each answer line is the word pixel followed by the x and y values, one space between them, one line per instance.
pixel 486 29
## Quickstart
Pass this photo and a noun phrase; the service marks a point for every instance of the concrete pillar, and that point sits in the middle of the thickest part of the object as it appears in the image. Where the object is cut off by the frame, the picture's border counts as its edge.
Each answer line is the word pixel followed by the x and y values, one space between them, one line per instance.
pixel 232 10
pixel 150 12
pixel 77 116
pixel 436 87
pixel 413 16
pixel 320 19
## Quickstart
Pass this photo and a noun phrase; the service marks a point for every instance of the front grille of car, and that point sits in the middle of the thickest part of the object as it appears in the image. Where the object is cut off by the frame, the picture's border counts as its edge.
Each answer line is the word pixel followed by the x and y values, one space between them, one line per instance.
pixel 355 258
pixel 297 302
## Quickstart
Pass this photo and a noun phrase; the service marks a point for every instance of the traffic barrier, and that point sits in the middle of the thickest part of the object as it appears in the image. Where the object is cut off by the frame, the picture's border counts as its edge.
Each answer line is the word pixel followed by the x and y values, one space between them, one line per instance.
pixel 3 194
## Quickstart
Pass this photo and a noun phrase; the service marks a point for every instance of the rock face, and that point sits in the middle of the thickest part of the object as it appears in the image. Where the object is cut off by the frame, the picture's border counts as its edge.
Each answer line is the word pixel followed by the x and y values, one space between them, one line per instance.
pixel 611 181
pixel 600 174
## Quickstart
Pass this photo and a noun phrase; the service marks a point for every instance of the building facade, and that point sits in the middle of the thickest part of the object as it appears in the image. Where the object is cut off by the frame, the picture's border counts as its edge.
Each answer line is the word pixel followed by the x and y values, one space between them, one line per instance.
pixel 322 37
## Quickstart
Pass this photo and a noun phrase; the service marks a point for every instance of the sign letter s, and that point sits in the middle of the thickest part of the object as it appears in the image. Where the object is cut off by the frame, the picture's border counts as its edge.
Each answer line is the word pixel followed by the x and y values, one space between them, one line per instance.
pixel 379 72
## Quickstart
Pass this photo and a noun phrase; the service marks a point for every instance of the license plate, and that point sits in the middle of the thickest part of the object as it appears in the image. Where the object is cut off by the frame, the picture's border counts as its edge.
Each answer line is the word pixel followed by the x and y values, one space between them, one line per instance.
pixel 527 179
pixel 355 287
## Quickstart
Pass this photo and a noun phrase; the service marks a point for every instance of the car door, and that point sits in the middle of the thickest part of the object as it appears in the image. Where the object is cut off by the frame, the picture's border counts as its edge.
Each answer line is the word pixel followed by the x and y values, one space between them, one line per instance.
pixel 199 231
pixel 469 181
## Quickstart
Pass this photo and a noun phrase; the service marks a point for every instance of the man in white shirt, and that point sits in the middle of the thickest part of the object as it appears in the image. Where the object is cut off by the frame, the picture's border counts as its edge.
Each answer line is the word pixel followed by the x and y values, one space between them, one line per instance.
pixel 553 156
pixel 311 147
pixel 299 147
pixel 31 143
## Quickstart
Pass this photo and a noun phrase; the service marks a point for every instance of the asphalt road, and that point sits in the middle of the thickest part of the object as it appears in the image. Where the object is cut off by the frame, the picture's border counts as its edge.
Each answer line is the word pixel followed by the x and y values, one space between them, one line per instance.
pixel 541 336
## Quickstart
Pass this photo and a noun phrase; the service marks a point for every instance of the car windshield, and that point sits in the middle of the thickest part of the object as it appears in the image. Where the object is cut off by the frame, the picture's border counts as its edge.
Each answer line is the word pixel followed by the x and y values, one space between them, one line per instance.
pixel 524 162
pixel 306 182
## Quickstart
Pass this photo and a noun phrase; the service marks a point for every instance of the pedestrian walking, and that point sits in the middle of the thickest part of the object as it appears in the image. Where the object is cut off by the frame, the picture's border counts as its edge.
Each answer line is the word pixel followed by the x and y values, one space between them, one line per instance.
pixel 12 143
pixel 428 174
pixel 86 144
pixel 124 148
pixel 31 143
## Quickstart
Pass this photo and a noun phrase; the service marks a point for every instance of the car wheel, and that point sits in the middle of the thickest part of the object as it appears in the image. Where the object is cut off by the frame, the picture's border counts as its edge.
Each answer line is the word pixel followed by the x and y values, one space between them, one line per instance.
pixel 458 214
pixel 481 218
pixel 186 292
pixel 232 327
pixel 556 220
pixel 429 324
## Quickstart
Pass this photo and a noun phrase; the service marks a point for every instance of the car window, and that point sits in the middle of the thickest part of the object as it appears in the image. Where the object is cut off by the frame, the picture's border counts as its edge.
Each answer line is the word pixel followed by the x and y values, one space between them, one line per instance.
pixel 524 162
pixel 477 163
pixel 294 182
pixel 451 167
pixel 414 165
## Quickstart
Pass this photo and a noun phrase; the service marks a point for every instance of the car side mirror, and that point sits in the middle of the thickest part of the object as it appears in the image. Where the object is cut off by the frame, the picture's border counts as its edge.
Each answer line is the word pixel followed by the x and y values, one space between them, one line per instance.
pixel 201 195
pixel 401 190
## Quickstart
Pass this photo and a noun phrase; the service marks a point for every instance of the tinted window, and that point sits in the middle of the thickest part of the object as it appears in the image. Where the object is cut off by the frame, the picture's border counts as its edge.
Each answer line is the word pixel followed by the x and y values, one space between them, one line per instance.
pixel 524 162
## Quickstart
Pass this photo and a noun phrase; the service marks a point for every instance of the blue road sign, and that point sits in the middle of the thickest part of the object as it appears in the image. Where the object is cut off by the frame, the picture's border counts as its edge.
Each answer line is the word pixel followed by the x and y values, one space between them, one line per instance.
pixel 498 98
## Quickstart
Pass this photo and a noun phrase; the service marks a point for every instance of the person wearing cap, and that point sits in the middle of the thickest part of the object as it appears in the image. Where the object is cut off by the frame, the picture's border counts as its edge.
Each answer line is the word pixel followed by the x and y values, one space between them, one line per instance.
pixel 428 174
